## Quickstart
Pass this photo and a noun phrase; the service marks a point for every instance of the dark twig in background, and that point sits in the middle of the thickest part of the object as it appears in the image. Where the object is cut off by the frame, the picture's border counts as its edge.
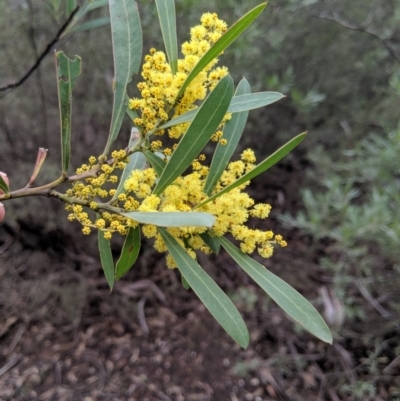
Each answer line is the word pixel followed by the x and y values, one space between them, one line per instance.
pixel 360 28
pixel 43 55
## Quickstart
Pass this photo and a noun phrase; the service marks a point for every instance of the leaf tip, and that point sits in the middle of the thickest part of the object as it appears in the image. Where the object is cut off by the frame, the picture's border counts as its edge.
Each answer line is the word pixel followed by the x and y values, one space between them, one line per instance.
pixel 245 342
pixel 262 6
pixel 327 337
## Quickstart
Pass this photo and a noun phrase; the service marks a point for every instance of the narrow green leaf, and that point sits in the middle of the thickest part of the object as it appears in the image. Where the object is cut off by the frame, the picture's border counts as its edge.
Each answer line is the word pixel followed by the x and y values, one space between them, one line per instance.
pixel 294 304
pixel 106 258
pixel 68 71
pixel 71 5
pixel 90 25
pixel 203 126
pixel 3 185
pixel 222 43
pixel 54 4
pixel 185 284
pixel 137 161
pixel 183 118
pixel 260 168
pixel 166 15
pixel 54 7
pixel 213 298
pixel 127 49
pixel 156 162
pixel 131 113
pixel 80 14
pixel 129 253
pixel 93 4
pixel 173 219
pixel 83 10
pixel 238 104
pixel 232 133
pixel 212 242
pixel 251 101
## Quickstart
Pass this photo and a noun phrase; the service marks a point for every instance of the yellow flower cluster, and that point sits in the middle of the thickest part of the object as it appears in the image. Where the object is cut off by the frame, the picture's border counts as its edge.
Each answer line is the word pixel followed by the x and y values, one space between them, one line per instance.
pixel 232 210
pixel 92 187
pixel 160 87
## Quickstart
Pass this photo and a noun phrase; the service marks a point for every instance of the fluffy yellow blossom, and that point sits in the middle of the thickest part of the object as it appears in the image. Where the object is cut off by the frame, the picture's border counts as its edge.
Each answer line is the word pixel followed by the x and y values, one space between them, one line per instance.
pixel 248 156
pixel 156 145
pixel 266 251
pixel 122 197
pixel 106 168
pixel 150 204
pixel 217 136
pixel 171 262
pixel 160 87
pixel 261 210
pixel 107 235
pixel 149 230
pixel 86 230
pixel 100 223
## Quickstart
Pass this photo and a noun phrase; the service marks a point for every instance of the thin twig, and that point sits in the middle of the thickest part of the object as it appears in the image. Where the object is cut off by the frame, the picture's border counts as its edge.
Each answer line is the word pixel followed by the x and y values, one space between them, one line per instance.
pixel 6 245
pixel 10 364
pixel 161 395
pixel 142 317
pixel 130 289
pixel 369 298
pixel 360 28
pixel 392 365
pixel 47 190
pixel 57 380
pixel 43 55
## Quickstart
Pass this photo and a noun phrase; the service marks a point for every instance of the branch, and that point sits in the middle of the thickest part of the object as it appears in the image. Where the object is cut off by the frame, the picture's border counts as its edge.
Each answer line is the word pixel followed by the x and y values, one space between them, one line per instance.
pixel 43 55
pixel 68 199
pixel 360 28
pixel 48 189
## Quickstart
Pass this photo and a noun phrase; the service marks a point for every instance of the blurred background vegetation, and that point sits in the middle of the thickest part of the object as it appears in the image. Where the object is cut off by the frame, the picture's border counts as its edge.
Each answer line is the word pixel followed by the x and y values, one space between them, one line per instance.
pixel 338 63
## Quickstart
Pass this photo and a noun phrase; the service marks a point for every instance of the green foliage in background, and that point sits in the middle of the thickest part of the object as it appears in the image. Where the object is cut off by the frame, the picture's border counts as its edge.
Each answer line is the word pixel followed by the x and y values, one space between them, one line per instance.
pixel 356 210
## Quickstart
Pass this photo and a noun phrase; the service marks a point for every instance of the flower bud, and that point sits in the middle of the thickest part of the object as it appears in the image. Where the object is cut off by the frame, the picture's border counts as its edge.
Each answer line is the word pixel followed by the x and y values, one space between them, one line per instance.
pixel 5 178
pixel 2 212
